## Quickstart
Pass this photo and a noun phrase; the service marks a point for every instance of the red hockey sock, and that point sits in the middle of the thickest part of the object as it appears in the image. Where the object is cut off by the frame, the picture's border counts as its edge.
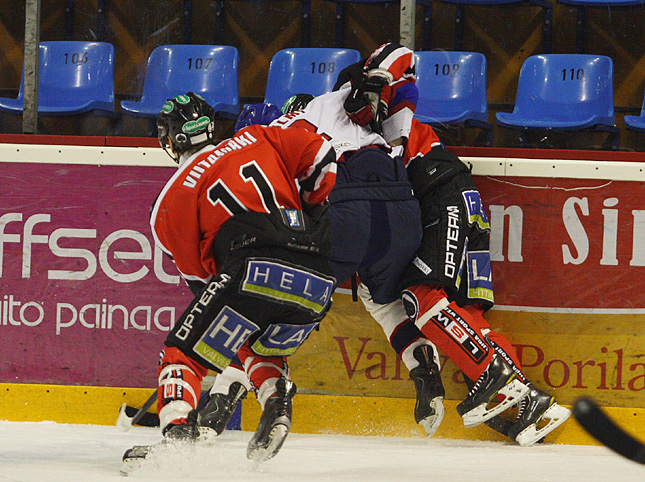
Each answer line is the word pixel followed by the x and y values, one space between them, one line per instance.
pixel 180 381
pixel 503 347
pixel 263 371
pixel 451 328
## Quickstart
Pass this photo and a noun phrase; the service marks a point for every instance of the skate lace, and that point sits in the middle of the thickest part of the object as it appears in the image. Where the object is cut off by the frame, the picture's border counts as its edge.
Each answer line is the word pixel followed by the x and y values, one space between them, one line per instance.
pixel 524 403
pixel 283 400
pixel 478 383
pixel 222 403
pixel 283 396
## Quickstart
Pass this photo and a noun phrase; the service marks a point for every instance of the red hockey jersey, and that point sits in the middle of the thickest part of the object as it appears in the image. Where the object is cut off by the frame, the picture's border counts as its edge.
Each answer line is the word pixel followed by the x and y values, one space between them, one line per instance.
pixel 253 171
pixel 421 141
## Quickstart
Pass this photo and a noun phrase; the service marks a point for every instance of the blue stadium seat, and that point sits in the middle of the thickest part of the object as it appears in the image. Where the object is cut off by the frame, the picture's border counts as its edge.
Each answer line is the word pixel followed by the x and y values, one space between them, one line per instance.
pixel 452 89
pixel 460 17
pixel 73 78
pixel 306 71
pixel 564 92
pixel 208 70
pixel 581 7
pixel 636 123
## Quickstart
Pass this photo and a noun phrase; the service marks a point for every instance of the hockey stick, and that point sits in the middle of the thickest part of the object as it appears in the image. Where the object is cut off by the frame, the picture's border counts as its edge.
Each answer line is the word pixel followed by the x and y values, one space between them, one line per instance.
pixel 602 428
pixel 149 419
pixel 124 423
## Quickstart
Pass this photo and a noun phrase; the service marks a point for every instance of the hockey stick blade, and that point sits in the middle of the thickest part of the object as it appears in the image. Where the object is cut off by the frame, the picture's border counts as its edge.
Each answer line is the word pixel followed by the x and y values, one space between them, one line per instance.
pixel 148 419
pixel 602 428
pixel 125 423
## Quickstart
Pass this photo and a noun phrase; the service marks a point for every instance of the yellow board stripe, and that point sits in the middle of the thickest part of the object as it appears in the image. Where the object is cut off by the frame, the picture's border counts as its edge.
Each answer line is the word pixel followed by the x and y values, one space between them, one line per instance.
pixel 313 414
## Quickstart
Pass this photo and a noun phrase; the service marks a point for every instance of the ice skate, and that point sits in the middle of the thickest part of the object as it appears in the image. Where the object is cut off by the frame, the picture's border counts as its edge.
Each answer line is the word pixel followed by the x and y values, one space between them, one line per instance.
pixel 428 410
pixel 498 379
pixel 185 431
pixel 538 416
pixel 218 411
pixel 275 423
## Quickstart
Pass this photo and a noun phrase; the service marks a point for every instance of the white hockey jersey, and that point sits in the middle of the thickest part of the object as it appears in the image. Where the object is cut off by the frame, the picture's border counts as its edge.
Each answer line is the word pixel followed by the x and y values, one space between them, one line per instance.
pixel 326 115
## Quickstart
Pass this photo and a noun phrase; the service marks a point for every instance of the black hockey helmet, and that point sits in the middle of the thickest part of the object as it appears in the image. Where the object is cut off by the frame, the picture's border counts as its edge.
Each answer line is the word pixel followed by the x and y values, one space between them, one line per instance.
pixel 185 123
pixel 296 102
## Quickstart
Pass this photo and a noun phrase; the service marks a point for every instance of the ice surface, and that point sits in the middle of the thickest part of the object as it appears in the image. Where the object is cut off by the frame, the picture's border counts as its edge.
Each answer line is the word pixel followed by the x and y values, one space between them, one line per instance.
pixel 52 452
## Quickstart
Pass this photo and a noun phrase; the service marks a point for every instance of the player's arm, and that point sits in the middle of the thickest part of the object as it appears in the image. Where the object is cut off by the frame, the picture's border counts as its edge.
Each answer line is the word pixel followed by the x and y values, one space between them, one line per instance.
pixel 317 175
pixel 396 128
pixel 311 159
pixel 175 226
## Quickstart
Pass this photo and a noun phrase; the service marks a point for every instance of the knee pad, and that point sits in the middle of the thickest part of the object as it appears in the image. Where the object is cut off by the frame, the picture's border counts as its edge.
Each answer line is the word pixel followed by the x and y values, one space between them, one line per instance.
pixel 230 375
pixel 421 308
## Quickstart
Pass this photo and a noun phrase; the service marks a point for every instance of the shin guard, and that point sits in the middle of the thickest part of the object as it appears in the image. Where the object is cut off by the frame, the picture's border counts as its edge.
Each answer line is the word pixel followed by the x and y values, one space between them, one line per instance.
pixel 263 372
pixel 451 328
pixel 180 380
pixel 500 344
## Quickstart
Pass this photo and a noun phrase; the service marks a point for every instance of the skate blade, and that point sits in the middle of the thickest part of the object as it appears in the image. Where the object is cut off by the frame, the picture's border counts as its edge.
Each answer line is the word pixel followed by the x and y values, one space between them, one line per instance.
pixel 130 465
pixel 431 424
pixel 556 414
pixel 134 457
pixel 276 439
pixel 207 435
pixel 513 392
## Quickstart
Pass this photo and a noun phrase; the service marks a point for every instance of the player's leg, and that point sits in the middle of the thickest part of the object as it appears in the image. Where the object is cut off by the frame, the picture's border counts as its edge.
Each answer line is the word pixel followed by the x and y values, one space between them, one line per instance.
pixel 289 288
pixel 178 394
pixel 393 233
pixel 230 387
pixel 271 381
pixel 538 412
pixel 417 353
pixel 488 359
pixel 456 333
pixel 205 337
pixel 452 214
pixel 265 363
pixel 498 342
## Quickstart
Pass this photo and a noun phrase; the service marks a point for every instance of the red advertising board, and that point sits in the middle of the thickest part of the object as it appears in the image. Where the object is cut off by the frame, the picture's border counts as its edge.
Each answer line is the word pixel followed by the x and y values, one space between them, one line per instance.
pixel 86 297
pixel 563 243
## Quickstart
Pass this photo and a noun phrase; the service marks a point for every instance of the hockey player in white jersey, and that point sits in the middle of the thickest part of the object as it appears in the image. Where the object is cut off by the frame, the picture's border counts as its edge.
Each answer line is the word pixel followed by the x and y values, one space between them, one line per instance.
pixel 364 119
pixel 373 105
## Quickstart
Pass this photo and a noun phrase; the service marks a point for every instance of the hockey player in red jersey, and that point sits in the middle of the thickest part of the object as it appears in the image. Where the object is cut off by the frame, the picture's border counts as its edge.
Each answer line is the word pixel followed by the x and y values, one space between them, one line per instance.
pixel 446 308
pixel 449 288
pixel 241 220
pixel 449 283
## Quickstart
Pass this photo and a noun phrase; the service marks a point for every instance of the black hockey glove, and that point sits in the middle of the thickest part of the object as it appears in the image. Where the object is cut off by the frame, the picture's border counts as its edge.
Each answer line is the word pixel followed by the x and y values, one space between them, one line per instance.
pixel 367 102
pixel 315 211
